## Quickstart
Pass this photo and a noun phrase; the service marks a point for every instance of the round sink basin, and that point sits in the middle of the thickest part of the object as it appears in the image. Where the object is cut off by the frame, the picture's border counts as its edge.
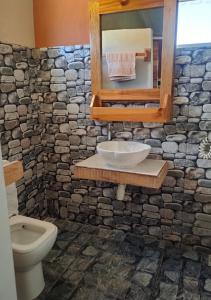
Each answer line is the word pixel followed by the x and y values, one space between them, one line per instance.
pixel 122 154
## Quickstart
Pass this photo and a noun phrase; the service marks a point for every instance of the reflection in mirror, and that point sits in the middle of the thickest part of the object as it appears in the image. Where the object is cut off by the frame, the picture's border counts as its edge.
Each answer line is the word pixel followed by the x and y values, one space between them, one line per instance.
pixel 132 49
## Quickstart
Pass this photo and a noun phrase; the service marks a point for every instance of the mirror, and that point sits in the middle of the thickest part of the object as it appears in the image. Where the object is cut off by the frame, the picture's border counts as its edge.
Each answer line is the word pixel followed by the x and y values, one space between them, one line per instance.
pixel 132 59
pixel 131 49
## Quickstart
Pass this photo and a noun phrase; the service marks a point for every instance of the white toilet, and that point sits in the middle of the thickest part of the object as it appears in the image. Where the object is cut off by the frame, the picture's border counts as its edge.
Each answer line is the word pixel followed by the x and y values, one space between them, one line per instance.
pixel 32 239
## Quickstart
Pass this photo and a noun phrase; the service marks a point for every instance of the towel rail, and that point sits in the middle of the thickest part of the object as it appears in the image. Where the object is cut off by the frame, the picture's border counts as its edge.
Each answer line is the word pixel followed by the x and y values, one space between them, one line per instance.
pixel 146 54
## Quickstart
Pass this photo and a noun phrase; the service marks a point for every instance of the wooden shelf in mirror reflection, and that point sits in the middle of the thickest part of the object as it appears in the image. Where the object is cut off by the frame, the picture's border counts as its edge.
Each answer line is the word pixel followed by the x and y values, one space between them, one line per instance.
pixel 13 171
pixel 100 112
pixel 151 95
pixel 149 173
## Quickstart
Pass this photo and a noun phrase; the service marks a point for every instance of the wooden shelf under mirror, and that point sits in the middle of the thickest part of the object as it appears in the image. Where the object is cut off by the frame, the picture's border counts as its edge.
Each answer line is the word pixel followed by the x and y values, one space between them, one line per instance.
pixel 104 97
pixel 158 114
pixel 13 171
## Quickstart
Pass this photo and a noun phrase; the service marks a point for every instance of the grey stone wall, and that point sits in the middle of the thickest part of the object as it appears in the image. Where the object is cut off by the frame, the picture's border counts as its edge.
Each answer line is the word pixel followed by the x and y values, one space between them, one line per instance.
pixel 59 87
pixel 179 211
pixel 20 127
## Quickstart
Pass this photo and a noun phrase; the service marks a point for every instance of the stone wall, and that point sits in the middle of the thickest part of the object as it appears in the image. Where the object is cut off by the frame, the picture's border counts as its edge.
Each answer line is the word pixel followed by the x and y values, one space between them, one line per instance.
pixel 20 127
pixel 59 85
pixel 179 211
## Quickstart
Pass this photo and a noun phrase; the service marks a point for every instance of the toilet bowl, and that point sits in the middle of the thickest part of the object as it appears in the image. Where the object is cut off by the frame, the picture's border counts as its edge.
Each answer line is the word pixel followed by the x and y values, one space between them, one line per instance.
pixel 31 241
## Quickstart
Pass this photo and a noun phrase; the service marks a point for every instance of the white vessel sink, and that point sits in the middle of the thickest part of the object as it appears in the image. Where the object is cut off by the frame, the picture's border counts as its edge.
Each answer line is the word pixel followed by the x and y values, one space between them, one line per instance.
pixel 122 154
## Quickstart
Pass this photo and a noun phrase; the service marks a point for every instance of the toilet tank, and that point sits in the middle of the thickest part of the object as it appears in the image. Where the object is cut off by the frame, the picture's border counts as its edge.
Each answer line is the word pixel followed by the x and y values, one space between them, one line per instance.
pixel 12 197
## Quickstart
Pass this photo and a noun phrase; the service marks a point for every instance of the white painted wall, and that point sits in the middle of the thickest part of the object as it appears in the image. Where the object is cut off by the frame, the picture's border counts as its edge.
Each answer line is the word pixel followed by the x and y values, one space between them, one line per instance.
pixel 7 275
pixel 16 22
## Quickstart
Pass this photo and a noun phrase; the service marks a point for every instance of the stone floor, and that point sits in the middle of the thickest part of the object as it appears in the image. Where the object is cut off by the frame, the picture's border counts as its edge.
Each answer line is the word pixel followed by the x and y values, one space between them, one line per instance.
pixel 90 263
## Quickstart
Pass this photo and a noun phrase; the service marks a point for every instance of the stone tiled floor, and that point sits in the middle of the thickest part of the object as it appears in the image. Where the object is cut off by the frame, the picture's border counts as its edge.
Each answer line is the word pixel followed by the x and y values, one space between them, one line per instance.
pixel 90 263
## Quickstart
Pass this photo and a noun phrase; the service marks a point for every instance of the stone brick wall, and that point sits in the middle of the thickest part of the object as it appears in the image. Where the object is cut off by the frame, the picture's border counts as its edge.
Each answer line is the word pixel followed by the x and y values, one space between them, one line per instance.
pixel 59 87
pixel 179 211
pixel 20 127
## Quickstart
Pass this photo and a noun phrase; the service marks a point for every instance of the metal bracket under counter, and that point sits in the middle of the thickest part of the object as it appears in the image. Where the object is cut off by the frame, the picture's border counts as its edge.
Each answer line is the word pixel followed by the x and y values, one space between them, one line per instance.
pixel 150 173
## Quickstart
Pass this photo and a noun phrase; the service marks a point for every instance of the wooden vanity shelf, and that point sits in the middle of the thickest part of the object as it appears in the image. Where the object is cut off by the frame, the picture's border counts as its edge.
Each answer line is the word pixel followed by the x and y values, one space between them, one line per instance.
pixel 149 173
pixel 159 114
pixel 13 171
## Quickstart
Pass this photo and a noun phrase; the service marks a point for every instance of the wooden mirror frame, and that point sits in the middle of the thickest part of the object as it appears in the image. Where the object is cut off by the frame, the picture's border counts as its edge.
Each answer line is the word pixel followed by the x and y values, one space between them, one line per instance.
pixel 162 95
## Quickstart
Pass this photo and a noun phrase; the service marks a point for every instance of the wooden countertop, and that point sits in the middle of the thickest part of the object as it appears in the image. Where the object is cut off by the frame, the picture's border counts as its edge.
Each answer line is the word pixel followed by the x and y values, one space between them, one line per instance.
pixel 149 173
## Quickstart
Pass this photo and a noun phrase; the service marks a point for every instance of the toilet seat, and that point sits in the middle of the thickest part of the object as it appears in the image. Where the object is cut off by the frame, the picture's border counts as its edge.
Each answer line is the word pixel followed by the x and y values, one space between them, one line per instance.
pixel 32 240
pixel 43 229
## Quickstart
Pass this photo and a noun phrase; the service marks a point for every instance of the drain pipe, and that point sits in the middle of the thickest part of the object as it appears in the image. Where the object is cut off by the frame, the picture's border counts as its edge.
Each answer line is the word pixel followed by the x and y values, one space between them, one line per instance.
pixel 109 130
pixel 120 194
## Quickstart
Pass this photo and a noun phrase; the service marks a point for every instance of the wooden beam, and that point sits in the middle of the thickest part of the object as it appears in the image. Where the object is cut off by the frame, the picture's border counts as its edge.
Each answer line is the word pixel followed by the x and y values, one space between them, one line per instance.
pixel 168 52
pixel 113 6
pixel 13 171
pixel 95 41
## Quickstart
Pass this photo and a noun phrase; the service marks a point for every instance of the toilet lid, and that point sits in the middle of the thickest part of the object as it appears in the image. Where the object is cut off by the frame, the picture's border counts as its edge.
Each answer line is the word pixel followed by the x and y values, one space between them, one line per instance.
pixel 12 197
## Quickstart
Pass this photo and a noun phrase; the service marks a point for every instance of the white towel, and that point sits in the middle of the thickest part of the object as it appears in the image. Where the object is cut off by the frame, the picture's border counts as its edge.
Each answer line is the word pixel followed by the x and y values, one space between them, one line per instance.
pixel 121 66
